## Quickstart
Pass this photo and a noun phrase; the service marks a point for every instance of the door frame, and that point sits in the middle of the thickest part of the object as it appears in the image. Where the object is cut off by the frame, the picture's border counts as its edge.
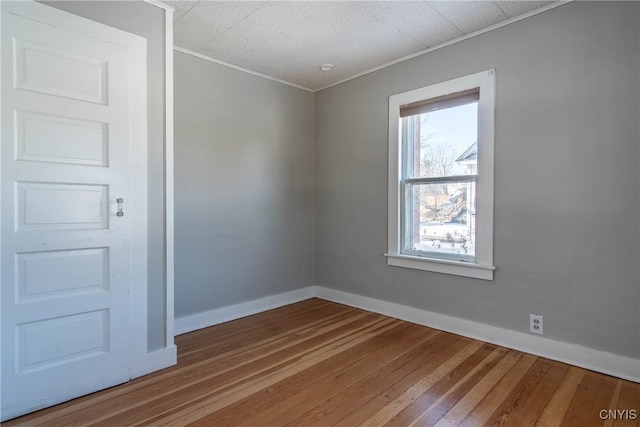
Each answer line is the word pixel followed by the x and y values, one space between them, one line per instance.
pixel 137 47
pixel 168 181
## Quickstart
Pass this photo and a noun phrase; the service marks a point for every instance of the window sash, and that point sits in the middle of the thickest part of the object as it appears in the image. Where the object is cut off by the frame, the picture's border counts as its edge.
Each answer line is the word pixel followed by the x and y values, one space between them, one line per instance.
pixel 407 126
pixel 406 230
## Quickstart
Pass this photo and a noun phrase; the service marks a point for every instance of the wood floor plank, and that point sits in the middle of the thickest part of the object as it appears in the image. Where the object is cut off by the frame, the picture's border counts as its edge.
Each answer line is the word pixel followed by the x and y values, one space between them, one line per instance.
pixel 579 411
pixel 201 394
pixel 490 403
pixel 194 340
pixel 532 407
pixel 613 403
pixel 343 403
pixel 285 406
pixel 453 345
pixel 191 410
pixel 504 415
pixel 463 407
pixel 318 363
pixel 447 395
pixel 442 389
pixel 392 409
pixel 233 338
pixel 558 405
pixel 629 400
pixel 601 402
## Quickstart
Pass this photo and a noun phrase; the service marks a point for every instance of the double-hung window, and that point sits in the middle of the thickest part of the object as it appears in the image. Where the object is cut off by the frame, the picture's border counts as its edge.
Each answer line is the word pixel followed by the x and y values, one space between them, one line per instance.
pixel 441 177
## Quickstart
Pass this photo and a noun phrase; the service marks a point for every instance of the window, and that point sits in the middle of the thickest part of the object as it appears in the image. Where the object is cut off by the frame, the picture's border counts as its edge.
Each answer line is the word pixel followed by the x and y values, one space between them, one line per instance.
pixel 441 177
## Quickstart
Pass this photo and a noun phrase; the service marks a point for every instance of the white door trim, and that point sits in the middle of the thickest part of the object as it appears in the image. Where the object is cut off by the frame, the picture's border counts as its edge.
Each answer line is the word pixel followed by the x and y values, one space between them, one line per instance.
pixel 169 356
pixel 169 178
pixel 138 151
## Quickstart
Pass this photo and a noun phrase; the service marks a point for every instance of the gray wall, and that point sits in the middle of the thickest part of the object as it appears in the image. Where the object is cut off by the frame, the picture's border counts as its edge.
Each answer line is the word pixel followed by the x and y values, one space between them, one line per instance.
pixel 566 181
pixel 244 186
pixel 145 20
pixel 566 191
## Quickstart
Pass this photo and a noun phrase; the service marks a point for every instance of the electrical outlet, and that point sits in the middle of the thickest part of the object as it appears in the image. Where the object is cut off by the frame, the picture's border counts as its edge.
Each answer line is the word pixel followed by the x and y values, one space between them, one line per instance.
pixel 536 324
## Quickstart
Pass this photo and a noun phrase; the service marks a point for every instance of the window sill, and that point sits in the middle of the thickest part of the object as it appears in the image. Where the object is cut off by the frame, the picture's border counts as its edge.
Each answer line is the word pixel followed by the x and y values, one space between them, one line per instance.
pixel 457 268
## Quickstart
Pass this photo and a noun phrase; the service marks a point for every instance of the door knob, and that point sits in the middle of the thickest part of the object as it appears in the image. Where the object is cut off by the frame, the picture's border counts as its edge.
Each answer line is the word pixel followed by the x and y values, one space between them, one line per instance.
pixel 120 202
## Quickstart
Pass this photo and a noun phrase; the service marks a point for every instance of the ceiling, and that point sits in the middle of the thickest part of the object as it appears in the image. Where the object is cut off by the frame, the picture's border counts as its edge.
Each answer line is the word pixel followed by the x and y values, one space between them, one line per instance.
pixel 289 40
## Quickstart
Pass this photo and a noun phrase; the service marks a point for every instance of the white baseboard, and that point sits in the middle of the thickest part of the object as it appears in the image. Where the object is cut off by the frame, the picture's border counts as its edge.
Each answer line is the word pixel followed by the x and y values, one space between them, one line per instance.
pixel 154 361
pixel 573 354
pixel 232 312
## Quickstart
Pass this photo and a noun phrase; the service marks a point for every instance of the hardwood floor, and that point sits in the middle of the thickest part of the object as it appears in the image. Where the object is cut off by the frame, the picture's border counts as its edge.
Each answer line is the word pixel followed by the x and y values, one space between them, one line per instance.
pixel 324 364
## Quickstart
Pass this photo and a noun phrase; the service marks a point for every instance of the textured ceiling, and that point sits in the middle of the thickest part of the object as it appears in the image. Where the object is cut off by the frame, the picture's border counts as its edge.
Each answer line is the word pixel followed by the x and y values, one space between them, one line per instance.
pixel 289 40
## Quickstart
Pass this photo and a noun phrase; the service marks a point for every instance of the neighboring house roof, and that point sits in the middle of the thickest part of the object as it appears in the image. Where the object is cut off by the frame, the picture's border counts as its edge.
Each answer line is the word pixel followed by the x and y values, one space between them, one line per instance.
pixel 470 153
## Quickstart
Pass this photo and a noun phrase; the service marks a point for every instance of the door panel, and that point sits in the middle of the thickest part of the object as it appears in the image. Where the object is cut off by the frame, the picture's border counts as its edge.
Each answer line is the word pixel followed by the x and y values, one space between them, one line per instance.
pixel 38 343
pixel 47 69
pixel 59 274
pixel 65 254
pixel 55 139
pixel 44 206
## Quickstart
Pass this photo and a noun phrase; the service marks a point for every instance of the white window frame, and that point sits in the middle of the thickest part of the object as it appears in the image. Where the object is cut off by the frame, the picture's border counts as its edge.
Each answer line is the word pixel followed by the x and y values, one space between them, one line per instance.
pixel 483 267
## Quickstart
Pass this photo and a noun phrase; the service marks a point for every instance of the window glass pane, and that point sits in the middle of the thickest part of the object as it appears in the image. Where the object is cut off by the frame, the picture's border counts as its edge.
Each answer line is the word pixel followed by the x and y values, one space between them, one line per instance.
pixel 440 219
pixel 442 142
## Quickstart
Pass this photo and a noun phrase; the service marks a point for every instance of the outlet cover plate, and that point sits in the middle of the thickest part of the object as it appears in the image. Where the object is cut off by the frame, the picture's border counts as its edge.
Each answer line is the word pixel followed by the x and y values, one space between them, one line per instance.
pixel 536 325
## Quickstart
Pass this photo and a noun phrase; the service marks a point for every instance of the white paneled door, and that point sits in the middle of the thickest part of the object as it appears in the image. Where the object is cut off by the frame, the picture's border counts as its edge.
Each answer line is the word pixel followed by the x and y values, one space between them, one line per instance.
pixel 66 262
